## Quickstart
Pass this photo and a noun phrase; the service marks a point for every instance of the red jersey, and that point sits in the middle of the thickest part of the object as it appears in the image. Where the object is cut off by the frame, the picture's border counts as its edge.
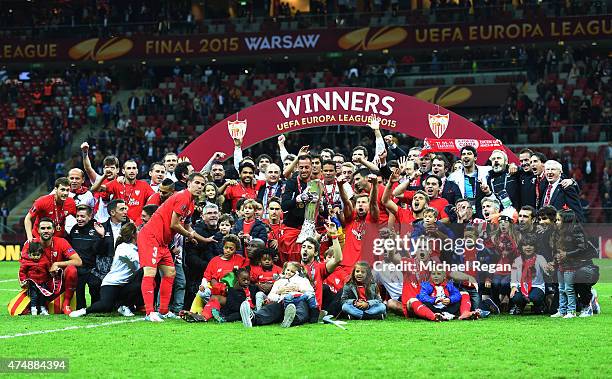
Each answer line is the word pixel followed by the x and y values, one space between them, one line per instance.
pixel 47 206
pixel 218 267
pixel 159 225
pixel 37 271
pixel 439 203
pixel 316 273
pixel 355 238
pixel 247 226
pixel 276 231
pixel 240 191
pixel 383 214
pixel 361 292
pixel 259 275
pixel 59 250
pixel 135 196
pixel 405 218
pixel 155 199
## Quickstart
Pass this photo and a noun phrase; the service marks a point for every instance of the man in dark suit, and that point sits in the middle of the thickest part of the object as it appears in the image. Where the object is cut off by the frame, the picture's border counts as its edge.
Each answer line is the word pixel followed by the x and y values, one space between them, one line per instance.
pixel 133 103
pixel 553 193
pixel 273 187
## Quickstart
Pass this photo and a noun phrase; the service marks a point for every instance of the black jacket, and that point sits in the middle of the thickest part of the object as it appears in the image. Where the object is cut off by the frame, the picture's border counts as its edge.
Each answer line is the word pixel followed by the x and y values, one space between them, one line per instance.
pixel 503 180
pixel 262 191
pixel 528 186
pixel 87 243
pixel 198 255
pixel 579 251
pixel 293 215
pixel 451 192
pixel 562 197
pixel 258 230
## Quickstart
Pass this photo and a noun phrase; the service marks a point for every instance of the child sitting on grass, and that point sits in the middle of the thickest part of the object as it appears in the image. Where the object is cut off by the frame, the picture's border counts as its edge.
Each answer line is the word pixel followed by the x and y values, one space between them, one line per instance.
pixel 213 290
pixel 34 268
pixel 441 297
pixel 263 274
pixel 360 296
pixel 236 295
pixel 292 288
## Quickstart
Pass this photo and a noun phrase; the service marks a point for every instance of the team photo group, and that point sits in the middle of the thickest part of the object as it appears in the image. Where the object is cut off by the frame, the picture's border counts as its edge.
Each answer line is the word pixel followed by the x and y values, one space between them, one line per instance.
pixel 308 236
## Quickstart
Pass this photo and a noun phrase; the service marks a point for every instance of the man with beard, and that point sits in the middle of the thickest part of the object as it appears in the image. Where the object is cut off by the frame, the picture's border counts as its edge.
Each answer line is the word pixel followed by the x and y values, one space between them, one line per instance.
pixel 294 201
pixel 404 217
pixel 87 238
pixel 246 188
pixel 359 222
pixel 359 153
pixel 316 272
pixel 134 192
pixel 197 255
pixel 214 170
pixel 80 194
pixel 470 178
pixel 157 174
pixel 164 191
pixel 110 171
pixel 275 227
pixel 64 261
pixel 56 206
pixel 526 225
pixel 362 184
pixel 449 190
pixel 331 190
pixel 316 167
pixel 504 186
pixel 272 188
pixel 432 188
pixel 554 194
pixel 170 162
pixel 527 178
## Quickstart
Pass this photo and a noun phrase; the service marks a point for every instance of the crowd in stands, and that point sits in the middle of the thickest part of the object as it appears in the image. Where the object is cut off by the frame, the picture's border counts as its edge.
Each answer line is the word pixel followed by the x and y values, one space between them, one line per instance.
pixel 105 18
pixel 294 240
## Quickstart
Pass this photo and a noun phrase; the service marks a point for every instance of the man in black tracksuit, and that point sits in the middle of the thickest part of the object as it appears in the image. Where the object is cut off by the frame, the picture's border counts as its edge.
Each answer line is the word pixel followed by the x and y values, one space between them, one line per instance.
pixel 87 241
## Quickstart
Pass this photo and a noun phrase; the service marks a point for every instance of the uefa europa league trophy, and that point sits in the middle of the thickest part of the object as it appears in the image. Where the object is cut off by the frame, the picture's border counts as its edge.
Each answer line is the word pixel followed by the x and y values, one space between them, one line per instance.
pixel 311 210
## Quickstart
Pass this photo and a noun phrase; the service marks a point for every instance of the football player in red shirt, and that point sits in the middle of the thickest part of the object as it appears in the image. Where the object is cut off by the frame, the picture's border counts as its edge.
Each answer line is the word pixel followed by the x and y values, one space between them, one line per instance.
pixel 164 191
pixel 133 191
pixel 246 188
pixel 62 257
pixel 363 216
pixel 55 206
pixel 317 271
pixel 154 238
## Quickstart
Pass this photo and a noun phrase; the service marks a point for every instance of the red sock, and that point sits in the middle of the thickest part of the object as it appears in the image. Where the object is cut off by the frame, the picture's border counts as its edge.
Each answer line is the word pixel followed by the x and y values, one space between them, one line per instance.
pixel 422 311
pixel 213 303
pixel 165 293
pixel 466 303
pixel 148 288
pixel 70 283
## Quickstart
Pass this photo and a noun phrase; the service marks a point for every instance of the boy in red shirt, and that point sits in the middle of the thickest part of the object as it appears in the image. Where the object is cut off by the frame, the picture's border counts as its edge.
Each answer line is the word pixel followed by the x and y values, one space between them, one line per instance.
pixel 263 274
pixel 56 206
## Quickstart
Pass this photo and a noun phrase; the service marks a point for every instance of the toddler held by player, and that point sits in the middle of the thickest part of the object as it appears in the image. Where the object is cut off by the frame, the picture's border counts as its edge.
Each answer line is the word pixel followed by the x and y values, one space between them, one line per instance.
pixel 35 269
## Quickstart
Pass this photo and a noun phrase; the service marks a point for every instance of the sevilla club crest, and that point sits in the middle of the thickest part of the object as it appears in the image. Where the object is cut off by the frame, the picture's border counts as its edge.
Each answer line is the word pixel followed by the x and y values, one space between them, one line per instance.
pixel 438 123
pixel 237 128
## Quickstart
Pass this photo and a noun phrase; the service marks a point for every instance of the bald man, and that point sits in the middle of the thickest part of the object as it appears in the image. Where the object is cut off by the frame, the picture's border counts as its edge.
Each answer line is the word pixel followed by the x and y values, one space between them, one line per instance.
pixel 80 194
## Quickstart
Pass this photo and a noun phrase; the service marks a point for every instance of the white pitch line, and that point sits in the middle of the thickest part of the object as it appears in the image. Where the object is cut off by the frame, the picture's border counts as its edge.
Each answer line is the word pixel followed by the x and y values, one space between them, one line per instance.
pixel 74 327
pixel 10 289
pixel 8 280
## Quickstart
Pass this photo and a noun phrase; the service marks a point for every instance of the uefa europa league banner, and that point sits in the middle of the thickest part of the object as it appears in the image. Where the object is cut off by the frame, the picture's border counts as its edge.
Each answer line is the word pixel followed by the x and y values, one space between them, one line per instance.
pixel 351 106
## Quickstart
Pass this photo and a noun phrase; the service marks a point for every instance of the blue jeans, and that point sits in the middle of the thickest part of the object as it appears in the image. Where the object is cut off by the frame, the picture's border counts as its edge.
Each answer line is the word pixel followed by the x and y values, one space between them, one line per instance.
pixel 374 310
pixel 308 297
pixel 178 289
pixel 567 294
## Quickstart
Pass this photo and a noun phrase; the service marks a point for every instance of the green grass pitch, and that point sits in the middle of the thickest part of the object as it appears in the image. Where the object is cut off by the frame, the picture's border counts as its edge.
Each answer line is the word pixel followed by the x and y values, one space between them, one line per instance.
pixel 502 346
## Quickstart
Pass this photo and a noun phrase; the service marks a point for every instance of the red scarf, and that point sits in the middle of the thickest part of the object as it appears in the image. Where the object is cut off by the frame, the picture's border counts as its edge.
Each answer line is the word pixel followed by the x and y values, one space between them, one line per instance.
pixel 81 190
pixel 247 292
pixel 527 275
